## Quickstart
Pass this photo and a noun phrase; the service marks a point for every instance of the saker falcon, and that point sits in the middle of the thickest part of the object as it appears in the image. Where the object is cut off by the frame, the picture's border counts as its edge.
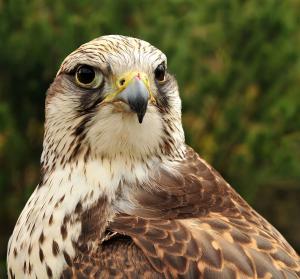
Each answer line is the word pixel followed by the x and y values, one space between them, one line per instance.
pixel 121 195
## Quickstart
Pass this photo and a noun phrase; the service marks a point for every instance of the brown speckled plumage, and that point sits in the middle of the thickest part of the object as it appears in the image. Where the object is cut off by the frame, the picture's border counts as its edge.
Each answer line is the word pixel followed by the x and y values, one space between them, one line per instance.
pixel 120 199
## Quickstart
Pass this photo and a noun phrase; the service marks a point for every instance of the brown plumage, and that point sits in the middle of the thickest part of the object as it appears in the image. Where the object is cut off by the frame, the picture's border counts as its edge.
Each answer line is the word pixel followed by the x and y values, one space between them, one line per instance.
pixel 123 199
pixel 194 226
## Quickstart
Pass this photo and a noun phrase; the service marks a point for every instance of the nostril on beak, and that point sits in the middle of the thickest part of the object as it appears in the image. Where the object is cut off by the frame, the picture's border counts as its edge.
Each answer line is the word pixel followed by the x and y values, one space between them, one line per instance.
pixel 122 81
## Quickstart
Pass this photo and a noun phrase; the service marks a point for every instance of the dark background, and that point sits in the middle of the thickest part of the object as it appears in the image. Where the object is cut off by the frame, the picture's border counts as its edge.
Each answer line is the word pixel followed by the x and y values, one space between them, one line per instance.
pixel 238 67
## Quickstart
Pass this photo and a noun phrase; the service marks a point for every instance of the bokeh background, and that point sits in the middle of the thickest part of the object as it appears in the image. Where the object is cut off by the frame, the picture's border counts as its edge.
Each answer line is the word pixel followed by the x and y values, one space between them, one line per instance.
pixel 238 67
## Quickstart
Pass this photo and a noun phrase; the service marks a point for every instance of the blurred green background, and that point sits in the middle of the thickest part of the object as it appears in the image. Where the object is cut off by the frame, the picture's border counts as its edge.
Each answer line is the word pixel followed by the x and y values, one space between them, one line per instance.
pixel 238 67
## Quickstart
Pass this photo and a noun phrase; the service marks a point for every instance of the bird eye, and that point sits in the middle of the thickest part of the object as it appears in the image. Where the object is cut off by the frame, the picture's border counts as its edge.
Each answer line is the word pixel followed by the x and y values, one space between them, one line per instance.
pixel 88 77
pixel 160 72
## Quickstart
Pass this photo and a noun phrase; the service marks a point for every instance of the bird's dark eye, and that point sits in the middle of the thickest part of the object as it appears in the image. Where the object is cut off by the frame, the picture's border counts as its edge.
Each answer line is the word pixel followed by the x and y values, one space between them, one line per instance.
pixel 88 77
pixel 160 72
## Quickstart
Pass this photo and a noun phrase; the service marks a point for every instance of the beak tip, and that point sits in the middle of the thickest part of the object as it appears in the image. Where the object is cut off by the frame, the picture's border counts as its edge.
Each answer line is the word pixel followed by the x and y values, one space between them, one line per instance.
pixel 140 117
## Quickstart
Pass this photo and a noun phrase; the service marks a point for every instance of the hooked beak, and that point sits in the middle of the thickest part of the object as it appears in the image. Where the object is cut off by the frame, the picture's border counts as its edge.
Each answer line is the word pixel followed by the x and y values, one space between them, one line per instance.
pixel 136 95
pixel 133 89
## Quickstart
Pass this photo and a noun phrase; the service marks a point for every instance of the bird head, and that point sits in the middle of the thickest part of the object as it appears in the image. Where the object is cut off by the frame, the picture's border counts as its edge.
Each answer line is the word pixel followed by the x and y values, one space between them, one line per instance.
pixel 113 96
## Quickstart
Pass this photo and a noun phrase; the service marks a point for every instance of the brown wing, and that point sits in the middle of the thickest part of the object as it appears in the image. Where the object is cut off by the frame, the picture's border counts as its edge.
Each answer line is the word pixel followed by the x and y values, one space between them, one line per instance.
pixel 191 224
pixel 118 257
pixel 103 254
pixel 194 225
pixel 209 248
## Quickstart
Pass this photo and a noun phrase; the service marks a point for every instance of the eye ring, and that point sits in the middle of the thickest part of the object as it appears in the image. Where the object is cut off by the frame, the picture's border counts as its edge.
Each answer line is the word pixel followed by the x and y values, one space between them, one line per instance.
pixel 160 72
pixel 88 77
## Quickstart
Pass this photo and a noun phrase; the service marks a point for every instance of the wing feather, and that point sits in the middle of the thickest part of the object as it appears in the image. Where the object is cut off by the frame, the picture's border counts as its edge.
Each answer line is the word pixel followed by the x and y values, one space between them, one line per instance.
pixel 189 223
pixel 196 226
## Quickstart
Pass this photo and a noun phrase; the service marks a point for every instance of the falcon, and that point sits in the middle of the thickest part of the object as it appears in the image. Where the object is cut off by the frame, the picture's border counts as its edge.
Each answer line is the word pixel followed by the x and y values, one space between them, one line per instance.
pixel 121 195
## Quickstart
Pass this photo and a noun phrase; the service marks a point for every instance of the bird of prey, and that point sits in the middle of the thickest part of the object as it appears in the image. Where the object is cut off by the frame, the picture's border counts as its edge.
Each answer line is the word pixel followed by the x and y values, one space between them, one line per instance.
pixel 121 195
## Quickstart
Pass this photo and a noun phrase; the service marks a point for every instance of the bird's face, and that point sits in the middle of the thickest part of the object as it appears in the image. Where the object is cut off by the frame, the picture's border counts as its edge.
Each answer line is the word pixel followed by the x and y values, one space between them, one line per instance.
pixel 113 96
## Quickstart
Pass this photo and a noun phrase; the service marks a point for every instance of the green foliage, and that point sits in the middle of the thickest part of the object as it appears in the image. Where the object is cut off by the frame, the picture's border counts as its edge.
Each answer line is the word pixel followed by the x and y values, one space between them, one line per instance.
pixel 237 63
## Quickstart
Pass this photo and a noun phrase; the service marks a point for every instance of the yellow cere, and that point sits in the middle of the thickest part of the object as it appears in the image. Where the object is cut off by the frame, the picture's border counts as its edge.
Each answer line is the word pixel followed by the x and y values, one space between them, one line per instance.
pixel 123 81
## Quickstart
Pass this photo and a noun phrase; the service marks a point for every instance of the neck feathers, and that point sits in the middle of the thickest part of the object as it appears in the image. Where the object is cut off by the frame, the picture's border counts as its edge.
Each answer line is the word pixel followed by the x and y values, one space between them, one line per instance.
pixel 57 219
